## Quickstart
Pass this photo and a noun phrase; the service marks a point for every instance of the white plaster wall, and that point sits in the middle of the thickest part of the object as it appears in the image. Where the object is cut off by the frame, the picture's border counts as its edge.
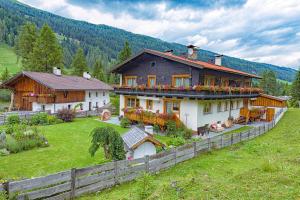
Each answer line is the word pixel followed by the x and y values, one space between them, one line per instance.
pixel 122 102
pixel 215 116
pixel 188 113
pixel 147 148
pixel 103 97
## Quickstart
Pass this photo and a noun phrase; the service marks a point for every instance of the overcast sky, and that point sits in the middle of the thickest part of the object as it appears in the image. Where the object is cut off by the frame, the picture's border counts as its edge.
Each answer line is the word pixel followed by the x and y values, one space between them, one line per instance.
pixel 258 30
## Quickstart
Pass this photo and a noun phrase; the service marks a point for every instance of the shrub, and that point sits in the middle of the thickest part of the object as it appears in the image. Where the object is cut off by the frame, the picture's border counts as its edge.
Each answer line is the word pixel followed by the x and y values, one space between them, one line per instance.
pixel 66 115
pixel 156 128
pixel 188 133
pixel 53 120
pixel 13 119
pixel 39 119
pixel 171 127
pixel 178 141
pixel 145 186
pixel 125 122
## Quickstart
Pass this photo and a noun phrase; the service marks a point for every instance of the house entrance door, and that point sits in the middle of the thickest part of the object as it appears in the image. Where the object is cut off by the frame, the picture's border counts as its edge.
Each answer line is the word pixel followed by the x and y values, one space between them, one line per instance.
pixel 90 106
pixel 26 105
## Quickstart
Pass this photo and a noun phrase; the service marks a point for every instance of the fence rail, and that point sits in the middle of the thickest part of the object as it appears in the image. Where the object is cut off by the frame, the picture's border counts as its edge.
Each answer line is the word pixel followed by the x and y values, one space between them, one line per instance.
pixel 76 182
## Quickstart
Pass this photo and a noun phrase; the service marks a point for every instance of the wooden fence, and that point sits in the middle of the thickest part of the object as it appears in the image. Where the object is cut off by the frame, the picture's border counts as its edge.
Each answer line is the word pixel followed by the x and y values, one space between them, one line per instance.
pixel 76 182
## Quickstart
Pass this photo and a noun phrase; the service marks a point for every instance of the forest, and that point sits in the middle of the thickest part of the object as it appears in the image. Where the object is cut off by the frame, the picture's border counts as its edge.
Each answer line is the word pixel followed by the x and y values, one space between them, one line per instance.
pixel 101 42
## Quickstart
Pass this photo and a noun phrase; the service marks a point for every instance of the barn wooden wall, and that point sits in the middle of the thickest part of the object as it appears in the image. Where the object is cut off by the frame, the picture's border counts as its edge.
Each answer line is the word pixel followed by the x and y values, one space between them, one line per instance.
pixel 268 102
pixel 24 86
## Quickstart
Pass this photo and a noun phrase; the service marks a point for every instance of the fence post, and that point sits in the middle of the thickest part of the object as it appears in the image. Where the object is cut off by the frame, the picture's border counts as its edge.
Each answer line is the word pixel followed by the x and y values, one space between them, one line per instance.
pixel 195 150
pixel 73 181
pixel 240 136
pixel 147 167
pixel 221 141
pixel 175 152
pixel 208 143
pixel 248 134
pixel 6 188
pixel 116 172
pixel 231 139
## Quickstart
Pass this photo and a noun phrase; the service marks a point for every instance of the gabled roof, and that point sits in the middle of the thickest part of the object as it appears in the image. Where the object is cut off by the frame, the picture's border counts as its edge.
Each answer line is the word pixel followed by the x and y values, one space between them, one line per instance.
pixel 62 82
pixel 135 137
pixel 190 62
pixel 273 97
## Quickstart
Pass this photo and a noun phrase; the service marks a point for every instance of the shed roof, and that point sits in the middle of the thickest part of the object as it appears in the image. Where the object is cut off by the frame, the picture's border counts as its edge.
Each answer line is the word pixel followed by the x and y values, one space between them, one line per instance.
pixel 136 136
pixel 273 97
pixel 63 82
pixel 190 62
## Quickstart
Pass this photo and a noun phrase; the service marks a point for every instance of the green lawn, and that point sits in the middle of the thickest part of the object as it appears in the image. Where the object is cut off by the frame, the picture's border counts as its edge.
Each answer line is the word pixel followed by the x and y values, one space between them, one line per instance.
pixel 267 167
pixel 69 143
pixel 8 59
pixel 239 130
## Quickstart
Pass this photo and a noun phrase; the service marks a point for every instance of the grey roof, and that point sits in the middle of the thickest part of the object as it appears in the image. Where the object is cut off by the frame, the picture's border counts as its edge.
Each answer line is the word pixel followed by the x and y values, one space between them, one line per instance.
pixel 63 82
pixel 134 136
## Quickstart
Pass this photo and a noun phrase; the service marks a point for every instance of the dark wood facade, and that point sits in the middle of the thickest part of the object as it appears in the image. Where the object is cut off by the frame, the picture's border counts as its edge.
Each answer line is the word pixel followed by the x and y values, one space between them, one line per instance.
pixel 26 91
pixel 269 101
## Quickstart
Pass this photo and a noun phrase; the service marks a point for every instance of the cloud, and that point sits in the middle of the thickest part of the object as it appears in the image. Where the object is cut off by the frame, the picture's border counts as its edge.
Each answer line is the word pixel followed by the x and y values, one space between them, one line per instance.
pixel 264 31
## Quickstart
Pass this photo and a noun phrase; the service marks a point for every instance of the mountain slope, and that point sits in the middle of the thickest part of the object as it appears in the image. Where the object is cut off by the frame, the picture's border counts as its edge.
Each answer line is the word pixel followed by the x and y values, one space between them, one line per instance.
pixel 105 41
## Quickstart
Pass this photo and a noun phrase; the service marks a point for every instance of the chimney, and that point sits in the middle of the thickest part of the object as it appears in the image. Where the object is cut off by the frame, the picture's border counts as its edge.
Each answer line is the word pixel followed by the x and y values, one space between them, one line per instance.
pixel 192 52
pixel 87 75
pixel 218 60
pixel 57 71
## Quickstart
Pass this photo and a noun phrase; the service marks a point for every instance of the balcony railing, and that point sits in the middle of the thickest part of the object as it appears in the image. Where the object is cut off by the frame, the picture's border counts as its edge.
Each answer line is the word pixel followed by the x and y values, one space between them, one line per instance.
pixel 197 91
pixel 147 117
pixel 40 98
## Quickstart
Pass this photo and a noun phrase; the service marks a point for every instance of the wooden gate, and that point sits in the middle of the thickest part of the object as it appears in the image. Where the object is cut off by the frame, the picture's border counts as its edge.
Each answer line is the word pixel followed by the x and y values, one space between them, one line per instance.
pixel 26 104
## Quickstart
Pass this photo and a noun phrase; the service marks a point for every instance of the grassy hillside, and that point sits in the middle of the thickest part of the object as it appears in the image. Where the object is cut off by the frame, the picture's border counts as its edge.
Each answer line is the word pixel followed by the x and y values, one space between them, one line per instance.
pixel 8 59
pixel 267 167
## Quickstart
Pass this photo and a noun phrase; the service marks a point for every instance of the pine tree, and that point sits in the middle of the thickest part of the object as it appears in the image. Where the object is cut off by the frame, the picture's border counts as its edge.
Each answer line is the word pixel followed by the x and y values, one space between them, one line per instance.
pixel 25 43
pixel 295 90
pixel 98 72
pixel 79 64
pixel 125 53
pixel 47 52
pixel 268 82
pixel 5 75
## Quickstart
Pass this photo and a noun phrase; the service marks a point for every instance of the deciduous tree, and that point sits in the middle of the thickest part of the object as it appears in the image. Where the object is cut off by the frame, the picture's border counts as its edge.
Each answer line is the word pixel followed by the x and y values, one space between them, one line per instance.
pixel 110 140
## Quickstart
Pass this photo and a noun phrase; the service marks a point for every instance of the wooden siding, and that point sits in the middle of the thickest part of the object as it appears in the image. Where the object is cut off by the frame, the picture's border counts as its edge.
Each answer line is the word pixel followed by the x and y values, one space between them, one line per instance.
pixel 165 69
pixel 268 102
pixel 27 91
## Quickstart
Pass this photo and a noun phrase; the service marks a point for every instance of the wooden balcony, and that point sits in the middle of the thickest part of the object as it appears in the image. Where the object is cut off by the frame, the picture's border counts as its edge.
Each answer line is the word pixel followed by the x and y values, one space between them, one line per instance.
pixel 146 117
pixel 195 92
pixel 42 98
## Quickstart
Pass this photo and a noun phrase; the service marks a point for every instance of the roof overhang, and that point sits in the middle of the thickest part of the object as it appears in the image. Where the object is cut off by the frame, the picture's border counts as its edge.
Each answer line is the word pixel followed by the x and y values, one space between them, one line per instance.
pixel 118 67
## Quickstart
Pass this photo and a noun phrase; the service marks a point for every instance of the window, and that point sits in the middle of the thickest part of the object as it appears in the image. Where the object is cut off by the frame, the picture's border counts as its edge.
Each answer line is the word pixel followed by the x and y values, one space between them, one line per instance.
pixel 90 94
pixel 104 94
pixel 181 80
pixel 130 81
pixel 153 64
pixel 151 80
pixel 43 107
pixel 231 105
pixel 209 80
pixel 207 108
pixel 219 108
pixel 132 102
pixel 149 104
pixel 66 94
pixel 224 82
pixel 69 106
pixel 104 102
pixel 96 94
pixel 96 104
pixel 226 106
pixel 237 104
pixel 172 107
